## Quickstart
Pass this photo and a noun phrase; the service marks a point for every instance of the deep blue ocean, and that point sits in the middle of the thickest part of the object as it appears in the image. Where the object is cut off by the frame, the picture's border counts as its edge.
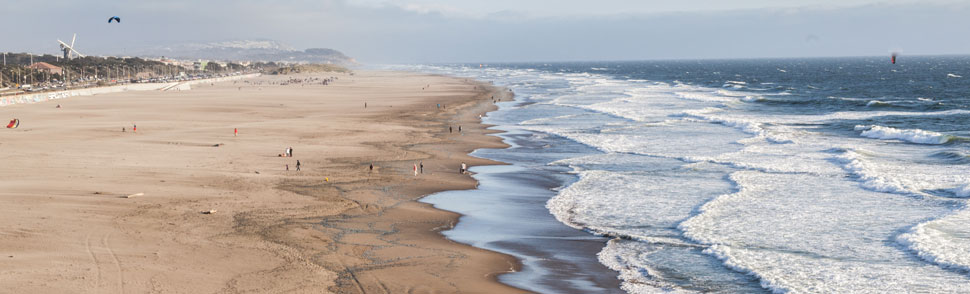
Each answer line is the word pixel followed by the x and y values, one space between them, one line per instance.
pixel 832 175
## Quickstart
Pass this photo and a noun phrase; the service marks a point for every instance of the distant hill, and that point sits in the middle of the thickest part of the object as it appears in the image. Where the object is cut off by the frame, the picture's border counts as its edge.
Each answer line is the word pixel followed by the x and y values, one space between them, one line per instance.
pixel 254 50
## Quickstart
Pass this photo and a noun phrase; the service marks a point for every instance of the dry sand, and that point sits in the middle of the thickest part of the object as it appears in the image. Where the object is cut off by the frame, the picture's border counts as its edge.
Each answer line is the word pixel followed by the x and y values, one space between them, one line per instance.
pixel 69 227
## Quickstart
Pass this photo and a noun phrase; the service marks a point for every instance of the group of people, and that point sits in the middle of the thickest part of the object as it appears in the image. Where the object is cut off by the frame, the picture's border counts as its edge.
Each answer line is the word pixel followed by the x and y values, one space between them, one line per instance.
pixel 288 152
pixel 297 166
pixel 418 167
pixel 451 130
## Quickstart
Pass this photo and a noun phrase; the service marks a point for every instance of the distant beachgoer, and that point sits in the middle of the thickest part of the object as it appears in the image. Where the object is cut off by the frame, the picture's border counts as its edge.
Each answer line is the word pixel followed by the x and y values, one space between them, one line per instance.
pixel 459 129
pixel 235 131
pixel 298 165
pixel 134 128
pixel 365 104
pixel 371 167
pixel 287 167
pixel 415 169
pixel 421 166
pixel 449 129
pixel 122 129
pixel 464 168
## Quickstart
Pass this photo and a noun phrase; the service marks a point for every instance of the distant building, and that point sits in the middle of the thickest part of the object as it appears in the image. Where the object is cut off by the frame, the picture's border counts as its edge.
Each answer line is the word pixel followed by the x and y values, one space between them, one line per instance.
pixel 49 68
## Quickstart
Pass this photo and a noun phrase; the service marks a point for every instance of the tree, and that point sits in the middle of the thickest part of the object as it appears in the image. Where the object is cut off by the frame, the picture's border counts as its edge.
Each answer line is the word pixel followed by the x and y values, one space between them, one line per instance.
pixel 213 67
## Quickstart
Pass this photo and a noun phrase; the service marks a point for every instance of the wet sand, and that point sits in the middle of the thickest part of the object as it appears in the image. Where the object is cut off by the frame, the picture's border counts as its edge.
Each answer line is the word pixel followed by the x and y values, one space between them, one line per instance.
pixel 334 226
pixel 508 214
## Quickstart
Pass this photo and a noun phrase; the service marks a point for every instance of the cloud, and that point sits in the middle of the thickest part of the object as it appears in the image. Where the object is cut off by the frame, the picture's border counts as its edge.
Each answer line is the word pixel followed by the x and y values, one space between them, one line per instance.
pixel 391 32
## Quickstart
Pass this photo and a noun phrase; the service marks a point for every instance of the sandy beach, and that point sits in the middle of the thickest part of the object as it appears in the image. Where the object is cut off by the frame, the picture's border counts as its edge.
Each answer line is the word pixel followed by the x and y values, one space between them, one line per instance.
pixel 69 225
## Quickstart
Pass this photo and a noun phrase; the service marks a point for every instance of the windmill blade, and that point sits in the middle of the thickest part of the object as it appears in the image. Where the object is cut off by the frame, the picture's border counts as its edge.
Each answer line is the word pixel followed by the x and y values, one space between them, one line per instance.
pixel 66 46
pixel 78 53
pixel 72 40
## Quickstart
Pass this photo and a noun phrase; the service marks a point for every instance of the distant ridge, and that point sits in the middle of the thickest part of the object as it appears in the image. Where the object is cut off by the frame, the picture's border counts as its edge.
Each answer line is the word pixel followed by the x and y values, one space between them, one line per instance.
pixel 252 50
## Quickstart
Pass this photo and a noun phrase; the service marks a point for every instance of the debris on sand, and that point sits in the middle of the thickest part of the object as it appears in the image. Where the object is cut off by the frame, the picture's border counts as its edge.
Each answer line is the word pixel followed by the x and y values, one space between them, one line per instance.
pixel 135 195
pixel 211 211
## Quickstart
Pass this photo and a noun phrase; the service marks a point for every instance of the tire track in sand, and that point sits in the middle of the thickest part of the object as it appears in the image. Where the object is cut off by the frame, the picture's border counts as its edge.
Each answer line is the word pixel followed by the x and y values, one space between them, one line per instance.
pixel 97 265
pixel 114 258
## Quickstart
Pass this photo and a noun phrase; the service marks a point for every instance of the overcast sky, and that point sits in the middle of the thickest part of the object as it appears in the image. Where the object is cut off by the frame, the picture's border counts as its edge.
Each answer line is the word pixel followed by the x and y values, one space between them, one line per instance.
pixel 387 31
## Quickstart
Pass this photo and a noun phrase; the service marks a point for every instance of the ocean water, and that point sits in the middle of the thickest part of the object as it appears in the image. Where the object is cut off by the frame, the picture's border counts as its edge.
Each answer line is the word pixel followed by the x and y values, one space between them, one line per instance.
pixel 834 175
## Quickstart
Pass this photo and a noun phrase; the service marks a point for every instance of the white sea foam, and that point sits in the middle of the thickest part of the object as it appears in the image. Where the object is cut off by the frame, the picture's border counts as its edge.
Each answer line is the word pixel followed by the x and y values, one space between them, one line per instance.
pixel 544 120
pixel 637 277
pixel 962 191
pixel 746 125
pixel 910 135
pixel 611 202
pixel 813 215
pixel 772 228
pixel 950 75
pixel 705 96
pixel 858 115
pixel 877 103
pixel 743 96
pixel 943 241
pixel 853 162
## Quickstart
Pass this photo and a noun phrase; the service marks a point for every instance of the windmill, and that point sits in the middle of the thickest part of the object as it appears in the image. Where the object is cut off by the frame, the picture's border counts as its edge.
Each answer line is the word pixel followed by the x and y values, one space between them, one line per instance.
pixel 69 51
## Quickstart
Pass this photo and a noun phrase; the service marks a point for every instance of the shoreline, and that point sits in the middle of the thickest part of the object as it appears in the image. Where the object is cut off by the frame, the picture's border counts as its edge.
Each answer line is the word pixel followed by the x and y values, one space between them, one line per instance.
pixel 507 213
pixel 335 225
pixel 475 135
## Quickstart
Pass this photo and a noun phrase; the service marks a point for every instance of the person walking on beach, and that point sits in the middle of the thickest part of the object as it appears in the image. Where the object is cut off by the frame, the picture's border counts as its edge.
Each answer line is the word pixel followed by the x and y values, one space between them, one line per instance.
pixel 372 167
pixel 297 165
pixel 134 128
pixel 459 128
pixel 464 168
pixel 415 169
pixel 421 165
pixel 449 129
pixel 235 131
